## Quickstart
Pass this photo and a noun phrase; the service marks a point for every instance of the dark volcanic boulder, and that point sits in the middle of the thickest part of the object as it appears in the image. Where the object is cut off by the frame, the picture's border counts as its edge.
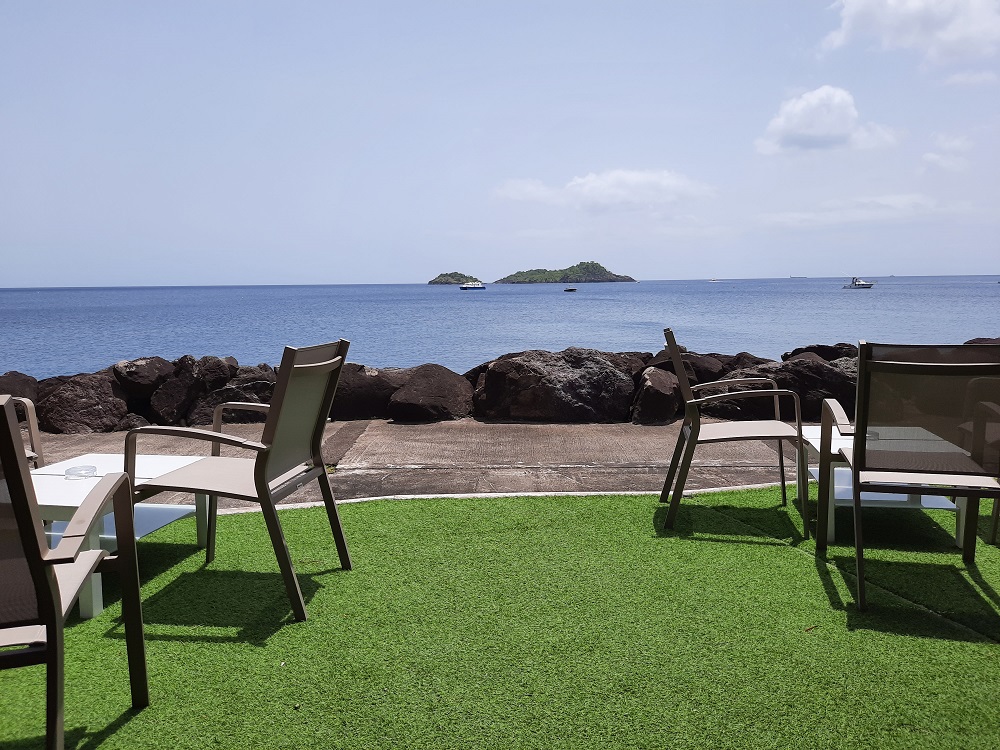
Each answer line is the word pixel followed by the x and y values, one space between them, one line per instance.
pixel 813 356
pixel 83 403
pixel 658 398
pixel 662 361
pixel 742 361
pixel 16 383
pixel 364 392
pixel 216 372
pixel 431 393
pixel 202 411
pixel 813 381
pixel 130 422
pixel 47 386
pixel 827 352
pixel 170 402
pixel 254 374
pixel 575 385
pixel 139 378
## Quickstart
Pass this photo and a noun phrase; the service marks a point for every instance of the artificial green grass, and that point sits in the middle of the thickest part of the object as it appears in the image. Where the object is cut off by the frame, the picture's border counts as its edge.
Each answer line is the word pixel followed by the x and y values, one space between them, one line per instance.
pixel 544 622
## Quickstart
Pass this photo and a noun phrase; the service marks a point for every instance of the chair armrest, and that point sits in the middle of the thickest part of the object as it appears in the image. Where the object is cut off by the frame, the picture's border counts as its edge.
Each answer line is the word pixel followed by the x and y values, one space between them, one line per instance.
pixel 774 393
pixel 236 406
pixel 91 511
pixel 34 436
pixel 834 414
pixel 193 433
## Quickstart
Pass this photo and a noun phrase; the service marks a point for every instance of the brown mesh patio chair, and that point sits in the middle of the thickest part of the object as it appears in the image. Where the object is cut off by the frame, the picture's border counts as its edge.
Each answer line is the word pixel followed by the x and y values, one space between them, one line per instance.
pixel 38 585
pixel 287 456
pixel 923 414
pixel 694 432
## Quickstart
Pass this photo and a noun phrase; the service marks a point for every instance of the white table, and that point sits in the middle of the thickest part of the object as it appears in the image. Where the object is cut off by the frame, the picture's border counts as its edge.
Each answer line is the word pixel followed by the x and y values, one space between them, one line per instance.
pixel 841 492
pixel 59 497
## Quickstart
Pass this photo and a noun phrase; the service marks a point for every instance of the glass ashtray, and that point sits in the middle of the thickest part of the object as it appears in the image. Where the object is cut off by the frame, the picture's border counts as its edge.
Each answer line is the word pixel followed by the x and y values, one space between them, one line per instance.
pixel 81 472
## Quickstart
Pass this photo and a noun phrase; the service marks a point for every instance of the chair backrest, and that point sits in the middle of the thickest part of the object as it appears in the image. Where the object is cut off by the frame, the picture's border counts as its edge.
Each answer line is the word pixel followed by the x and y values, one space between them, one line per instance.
pixel 678 362
pixel 916 406
pixel 300 406
pixel 27 594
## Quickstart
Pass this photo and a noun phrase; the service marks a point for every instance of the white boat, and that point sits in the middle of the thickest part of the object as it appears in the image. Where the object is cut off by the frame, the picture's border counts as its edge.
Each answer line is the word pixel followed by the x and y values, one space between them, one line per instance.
pixel 473 285
pixel 859 283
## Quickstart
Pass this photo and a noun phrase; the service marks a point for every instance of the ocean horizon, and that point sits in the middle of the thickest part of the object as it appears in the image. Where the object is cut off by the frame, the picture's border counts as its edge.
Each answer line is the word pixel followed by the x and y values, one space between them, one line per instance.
pixel 51 331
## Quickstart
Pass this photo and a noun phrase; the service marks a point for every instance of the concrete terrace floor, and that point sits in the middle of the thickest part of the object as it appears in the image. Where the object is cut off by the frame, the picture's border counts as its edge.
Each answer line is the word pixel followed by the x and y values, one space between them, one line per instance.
pixel 378 458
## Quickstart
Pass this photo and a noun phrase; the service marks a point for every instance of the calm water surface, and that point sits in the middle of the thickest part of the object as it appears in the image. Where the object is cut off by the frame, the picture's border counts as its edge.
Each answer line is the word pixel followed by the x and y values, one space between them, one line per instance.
pixel 63 331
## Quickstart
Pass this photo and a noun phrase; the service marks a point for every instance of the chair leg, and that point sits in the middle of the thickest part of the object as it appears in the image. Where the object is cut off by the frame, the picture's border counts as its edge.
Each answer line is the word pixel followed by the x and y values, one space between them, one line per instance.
pixel 334 516
pixel 682 472
pixel 213 516
pixel 674 461
pixel 127 567
pixel 971 526
pixel 54 686
pixel 996 519
pixel 781 470
pixel 859 553
pixel 802 485
pixel 270 514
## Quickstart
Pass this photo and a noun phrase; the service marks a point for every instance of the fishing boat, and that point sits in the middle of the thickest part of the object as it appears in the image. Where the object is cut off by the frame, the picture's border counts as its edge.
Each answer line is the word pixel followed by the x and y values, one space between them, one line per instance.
pixel 473 285
pixel 859 283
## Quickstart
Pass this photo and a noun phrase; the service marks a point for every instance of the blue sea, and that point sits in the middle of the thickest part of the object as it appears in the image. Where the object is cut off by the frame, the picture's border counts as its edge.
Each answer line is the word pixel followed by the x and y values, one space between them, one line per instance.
pixel 64 331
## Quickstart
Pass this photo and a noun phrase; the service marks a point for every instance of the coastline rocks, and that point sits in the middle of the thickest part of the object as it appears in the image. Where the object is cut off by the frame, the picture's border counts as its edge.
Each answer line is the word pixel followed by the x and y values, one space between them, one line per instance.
pixel 83 404
pixel 658 397
pixel 169 403
pixel 431 393
pixel 575 385
pixel 202 411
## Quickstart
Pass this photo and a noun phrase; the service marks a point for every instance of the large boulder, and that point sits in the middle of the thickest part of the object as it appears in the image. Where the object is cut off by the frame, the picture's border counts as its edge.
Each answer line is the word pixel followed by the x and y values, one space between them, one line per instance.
pixel 658 397
pixel 364 392
pixel 575 385
pixel 170 402
pixel 813 381
pixel 140 378
pixel 431 393
pixel 827 352
pixel 216 372
pixel 82 404
pixel 16 383
pixel 261 372
pixel 742 361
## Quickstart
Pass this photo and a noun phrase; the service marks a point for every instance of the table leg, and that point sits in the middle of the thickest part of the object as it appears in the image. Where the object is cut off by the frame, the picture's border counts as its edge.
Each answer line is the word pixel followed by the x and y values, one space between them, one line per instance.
pixel 970 527
pixel 201 519
pixel 92 594
pixel 961 510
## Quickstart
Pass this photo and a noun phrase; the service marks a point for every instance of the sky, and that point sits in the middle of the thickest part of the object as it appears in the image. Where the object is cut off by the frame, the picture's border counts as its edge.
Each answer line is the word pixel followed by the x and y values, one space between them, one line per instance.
pixel 249 142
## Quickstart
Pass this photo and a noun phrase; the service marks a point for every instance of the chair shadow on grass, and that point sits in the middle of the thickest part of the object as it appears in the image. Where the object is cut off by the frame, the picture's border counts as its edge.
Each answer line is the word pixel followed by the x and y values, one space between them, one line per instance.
pixel 78 738
pixel 772 525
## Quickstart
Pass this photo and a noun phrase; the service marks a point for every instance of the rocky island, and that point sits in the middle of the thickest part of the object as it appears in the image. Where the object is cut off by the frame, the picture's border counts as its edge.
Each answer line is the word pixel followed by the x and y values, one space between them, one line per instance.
pixel 452 278
pixel 581 273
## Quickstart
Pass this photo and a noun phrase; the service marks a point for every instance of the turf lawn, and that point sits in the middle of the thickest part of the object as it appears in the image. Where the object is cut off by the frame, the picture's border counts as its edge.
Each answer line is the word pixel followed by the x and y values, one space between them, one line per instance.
pixel 544 623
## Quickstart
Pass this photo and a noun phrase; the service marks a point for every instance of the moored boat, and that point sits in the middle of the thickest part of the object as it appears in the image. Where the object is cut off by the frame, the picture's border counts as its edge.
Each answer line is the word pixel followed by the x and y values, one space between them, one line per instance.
pixel 473 285
pixel 859 283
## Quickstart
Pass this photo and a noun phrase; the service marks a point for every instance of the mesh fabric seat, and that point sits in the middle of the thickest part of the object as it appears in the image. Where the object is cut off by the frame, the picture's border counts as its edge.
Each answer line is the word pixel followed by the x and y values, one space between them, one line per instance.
pixel 923 417
pixel 693 432
pixel 287 456
pixel 39 586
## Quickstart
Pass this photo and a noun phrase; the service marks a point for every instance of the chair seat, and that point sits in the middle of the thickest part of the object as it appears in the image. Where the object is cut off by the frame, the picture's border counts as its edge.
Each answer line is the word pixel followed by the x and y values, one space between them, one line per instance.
pixel 223 476
pixel 769 429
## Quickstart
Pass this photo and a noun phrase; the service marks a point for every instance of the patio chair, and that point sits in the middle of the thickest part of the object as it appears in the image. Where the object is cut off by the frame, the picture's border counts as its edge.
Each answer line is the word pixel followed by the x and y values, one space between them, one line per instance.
pixel 287 456
pixel 39 586
pixel 918 432
pixel 694 432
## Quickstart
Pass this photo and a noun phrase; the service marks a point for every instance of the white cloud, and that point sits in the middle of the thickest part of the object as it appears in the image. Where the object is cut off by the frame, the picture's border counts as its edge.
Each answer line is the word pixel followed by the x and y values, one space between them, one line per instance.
pixel 950 153
pixel 941 30
pixel 824 118
pixel 972 78
pixel 872 209
pixel 612 189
